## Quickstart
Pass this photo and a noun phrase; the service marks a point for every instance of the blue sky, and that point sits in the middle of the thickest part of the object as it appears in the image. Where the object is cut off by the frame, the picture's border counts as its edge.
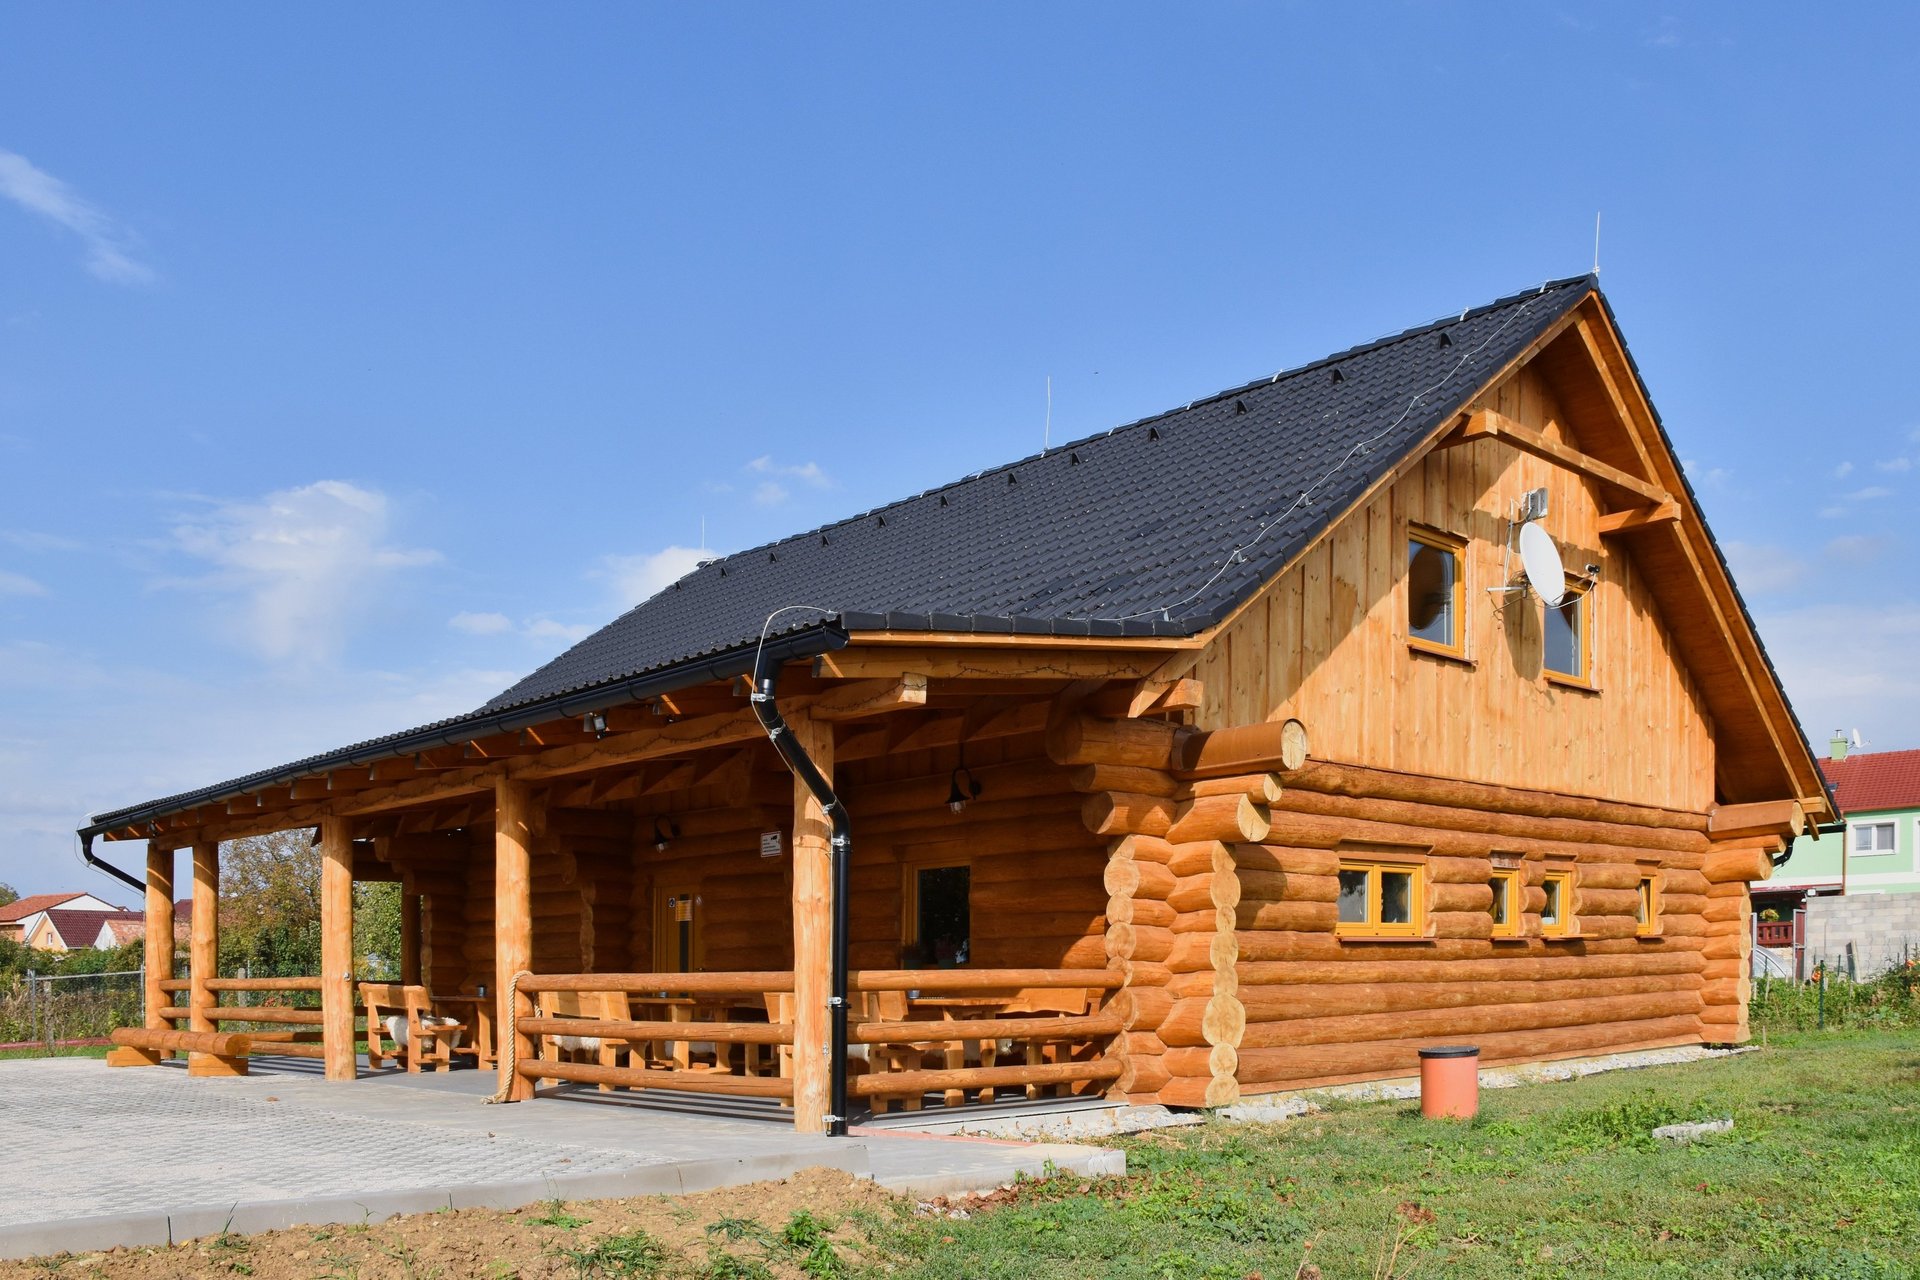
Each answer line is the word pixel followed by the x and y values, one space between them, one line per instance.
pixel 353 361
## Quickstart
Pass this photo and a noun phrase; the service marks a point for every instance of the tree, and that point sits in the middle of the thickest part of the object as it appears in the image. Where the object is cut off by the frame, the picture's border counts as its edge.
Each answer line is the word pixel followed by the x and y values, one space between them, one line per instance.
pixel 270 911
pixel 8 894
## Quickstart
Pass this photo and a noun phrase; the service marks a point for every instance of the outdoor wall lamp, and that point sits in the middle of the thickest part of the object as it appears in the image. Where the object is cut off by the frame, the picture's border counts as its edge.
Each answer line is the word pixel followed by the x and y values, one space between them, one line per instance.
pixel 963 789
pixel 595 723
pixel 663 831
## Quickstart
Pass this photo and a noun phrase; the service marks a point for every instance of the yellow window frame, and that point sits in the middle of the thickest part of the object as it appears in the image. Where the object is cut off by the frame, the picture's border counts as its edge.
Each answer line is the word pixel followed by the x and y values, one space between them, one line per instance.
pixel 1505 882
pixel 1456 548
pixel 1580 594
pixel 1562 924
pixel 1372 926
pixel 1648 922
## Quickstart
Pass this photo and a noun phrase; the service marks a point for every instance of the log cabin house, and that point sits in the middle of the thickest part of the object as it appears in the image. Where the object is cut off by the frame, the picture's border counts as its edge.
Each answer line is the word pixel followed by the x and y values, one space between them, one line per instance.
pixel 1222 753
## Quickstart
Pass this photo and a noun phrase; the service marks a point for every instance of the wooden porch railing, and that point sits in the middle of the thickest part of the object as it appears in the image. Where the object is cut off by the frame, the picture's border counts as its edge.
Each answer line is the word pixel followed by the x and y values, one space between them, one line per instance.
pixel 1053 1020
pixel 542 1027
pixel 1774 933
pixel 229 1045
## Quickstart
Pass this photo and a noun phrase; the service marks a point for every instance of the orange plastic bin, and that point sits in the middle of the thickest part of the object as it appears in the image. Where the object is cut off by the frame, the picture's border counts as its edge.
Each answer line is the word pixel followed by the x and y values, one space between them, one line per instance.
pixel 1450 1081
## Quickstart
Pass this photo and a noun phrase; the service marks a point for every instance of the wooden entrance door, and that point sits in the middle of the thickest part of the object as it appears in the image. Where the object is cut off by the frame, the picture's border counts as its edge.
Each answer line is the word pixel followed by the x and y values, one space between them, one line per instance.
pixel 676 930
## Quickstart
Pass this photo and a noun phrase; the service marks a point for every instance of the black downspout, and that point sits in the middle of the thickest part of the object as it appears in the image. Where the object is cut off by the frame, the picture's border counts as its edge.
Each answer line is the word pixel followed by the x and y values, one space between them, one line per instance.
pixel 101 864
pixel 766 674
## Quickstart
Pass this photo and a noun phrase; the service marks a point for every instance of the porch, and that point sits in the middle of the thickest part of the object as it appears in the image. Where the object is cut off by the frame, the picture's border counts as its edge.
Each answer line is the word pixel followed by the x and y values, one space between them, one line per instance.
pixel 646 905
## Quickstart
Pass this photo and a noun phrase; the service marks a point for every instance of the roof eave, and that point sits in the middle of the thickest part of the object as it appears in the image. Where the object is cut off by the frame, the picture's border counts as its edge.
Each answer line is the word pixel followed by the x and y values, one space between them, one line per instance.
pixel 806 642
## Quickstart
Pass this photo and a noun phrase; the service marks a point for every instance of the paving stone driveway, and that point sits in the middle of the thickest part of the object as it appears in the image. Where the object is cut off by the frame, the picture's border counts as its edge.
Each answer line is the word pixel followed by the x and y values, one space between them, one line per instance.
pixel 149 1139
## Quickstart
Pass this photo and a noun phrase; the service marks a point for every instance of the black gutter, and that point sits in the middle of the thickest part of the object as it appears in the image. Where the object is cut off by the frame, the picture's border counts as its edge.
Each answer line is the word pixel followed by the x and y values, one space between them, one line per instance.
pixel 101 864
pixel 766 675
pixel 738 661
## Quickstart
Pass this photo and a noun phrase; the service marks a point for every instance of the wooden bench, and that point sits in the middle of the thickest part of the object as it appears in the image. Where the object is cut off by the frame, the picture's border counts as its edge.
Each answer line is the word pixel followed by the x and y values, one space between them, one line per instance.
pixel 429 1040
pixel 213 1053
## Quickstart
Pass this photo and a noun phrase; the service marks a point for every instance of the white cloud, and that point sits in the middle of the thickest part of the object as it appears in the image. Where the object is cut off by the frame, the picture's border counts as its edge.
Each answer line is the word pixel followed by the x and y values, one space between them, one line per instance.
pixel 28 540
pixel 548 629
pixel 1850 665
pixel 109 245
pixel 639 577
pixel 805 472
pixel 1868 494
pixel 1856 548
pixel 300 563
pixel 1762 570
pixel 1842 471
pixel 1894 464
pixel 770 492
pixel 495 624
pixel 481 624
pixel 19 584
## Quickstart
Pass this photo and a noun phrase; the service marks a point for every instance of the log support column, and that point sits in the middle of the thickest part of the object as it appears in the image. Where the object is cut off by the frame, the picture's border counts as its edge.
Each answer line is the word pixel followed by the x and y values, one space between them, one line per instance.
pixel 203 953
pixel 512 920
pixel 812 932
pixel 336 948
pixel 409 935
pixel 158 948
pixel 1730 868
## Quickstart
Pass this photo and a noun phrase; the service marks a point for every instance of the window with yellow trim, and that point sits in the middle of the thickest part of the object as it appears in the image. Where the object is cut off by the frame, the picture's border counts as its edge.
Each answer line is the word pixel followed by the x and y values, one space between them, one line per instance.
pixel 1567 645
pixel 1380 899
pixel 1556 917
pixel 1647 914
pixel 1436 592
pixel 1506 903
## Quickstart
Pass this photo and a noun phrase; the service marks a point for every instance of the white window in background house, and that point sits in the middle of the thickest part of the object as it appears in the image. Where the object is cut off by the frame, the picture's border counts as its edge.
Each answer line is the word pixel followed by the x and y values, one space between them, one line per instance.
pixel 1870 837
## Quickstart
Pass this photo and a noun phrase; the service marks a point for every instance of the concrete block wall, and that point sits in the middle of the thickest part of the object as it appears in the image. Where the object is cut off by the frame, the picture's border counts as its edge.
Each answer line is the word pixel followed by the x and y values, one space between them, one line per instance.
pixel 1883 929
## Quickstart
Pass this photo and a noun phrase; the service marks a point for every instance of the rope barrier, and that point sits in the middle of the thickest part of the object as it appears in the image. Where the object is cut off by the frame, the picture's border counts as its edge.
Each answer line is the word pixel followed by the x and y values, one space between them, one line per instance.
pixel 509 1042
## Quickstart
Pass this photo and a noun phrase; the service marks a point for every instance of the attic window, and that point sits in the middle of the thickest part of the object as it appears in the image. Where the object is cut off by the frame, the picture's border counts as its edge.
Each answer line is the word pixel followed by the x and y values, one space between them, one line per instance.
pixel 1436 592
pixel 1567 644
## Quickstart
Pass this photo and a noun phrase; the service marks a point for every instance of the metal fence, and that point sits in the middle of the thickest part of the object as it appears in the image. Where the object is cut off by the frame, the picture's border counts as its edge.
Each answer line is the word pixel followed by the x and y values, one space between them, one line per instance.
pixel 52 1009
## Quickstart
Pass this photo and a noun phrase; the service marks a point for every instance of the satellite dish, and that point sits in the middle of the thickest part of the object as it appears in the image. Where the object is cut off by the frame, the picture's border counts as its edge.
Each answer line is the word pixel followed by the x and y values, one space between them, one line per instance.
pixel 1540 560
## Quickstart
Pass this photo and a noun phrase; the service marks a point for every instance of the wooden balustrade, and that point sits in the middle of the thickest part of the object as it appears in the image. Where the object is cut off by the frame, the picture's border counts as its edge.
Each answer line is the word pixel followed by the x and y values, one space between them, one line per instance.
pixel 658 1051
pixel 1774 933
pixel 1052 1020
pixel 229 1045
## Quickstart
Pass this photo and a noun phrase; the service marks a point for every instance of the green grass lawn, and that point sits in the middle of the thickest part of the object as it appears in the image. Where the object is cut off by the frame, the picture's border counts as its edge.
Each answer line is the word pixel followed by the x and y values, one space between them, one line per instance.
pixel 1820 1178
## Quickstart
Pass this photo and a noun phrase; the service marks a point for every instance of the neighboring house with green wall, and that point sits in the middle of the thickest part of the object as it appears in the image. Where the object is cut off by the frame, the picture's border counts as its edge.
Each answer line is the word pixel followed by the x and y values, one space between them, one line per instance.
pixel 1800 914
pixel 1879 799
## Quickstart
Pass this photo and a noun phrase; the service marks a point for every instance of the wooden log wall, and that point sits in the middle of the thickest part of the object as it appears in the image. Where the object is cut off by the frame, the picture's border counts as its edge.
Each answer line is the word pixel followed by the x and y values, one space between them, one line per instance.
pixel 1326 643
pixel 1320 1009
pixel 1172 892
pixel 1036 900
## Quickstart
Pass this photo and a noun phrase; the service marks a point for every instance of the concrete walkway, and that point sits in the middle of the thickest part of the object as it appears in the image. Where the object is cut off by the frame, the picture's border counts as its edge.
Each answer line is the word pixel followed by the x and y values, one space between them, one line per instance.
pixel 148 1155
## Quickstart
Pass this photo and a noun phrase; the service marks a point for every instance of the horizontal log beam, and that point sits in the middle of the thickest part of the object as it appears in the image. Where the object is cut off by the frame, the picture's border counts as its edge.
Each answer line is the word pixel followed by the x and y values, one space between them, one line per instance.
pixel 1489 424
pixel 647 1078
pixel 912 1083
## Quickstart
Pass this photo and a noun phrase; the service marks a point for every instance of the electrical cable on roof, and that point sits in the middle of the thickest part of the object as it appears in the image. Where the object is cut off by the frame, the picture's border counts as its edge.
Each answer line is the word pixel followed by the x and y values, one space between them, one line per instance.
pixel 1237 554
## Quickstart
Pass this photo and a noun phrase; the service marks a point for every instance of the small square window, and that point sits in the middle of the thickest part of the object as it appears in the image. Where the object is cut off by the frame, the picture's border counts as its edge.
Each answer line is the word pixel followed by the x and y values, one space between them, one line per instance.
pixel 1380 899
pixel 1506 903
pixel 1647 912
pixel 1566 643
pixel 1872 837
pixel 1436 592
pixel 1556 917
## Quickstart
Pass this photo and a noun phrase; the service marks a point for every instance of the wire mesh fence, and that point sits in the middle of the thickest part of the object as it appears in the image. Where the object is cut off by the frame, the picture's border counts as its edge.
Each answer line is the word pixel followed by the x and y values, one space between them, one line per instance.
pixel 54 1009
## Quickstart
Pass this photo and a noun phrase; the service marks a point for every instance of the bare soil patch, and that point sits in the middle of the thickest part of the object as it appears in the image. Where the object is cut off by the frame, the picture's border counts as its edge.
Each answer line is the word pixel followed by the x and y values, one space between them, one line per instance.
pixel 800 1226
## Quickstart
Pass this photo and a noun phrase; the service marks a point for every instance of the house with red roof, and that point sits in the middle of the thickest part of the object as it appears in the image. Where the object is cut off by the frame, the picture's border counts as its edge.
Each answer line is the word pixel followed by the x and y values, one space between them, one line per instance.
pixel 25 919
pixel 1878 794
